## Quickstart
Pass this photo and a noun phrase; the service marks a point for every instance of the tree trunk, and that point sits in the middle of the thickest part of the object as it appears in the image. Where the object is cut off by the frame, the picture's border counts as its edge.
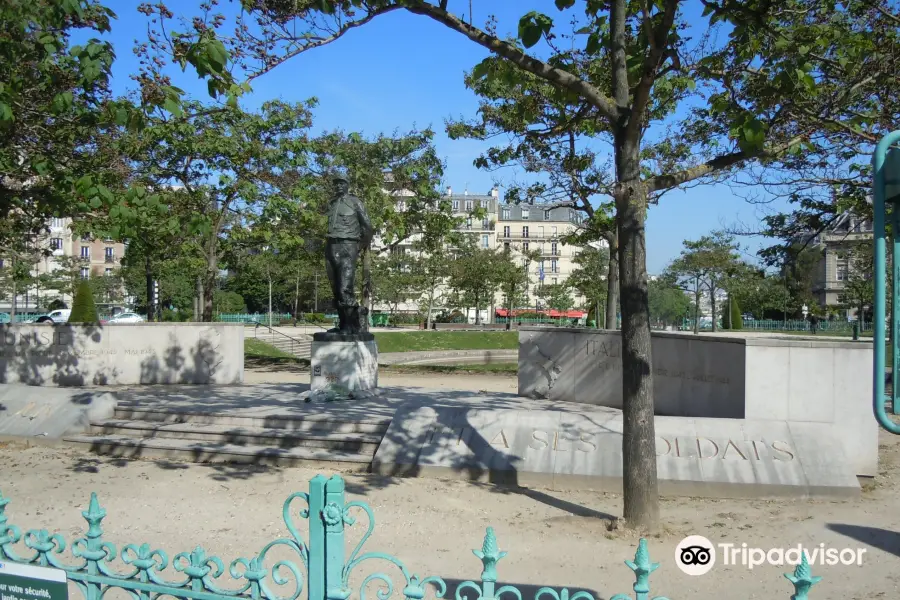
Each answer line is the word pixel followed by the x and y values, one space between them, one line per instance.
pixel 12 302
pixel 712 302
pixel 697 295
pixel 212 267
pixel 430 306
pixel 148 281
pixel 477 308
pixel 296 295
pixel 612 287
pixel 641 494
pixel 270 300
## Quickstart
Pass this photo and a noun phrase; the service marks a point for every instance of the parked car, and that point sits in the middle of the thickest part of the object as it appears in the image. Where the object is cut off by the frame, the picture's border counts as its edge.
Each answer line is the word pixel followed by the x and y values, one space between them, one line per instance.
pixel 126 317
pixel 53 317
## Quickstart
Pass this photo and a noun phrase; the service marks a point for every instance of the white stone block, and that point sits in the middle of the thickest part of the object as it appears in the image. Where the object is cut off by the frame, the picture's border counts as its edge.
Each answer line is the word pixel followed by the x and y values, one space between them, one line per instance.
pixel 122 354
pixel 350 365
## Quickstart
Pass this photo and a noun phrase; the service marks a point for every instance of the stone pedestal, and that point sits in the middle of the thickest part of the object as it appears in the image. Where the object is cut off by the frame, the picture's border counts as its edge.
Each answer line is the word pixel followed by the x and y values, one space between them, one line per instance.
pixel 343 361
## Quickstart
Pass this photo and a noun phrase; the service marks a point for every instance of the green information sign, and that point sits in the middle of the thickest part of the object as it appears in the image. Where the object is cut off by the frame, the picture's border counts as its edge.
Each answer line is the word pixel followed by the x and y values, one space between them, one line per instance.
pixel 25 582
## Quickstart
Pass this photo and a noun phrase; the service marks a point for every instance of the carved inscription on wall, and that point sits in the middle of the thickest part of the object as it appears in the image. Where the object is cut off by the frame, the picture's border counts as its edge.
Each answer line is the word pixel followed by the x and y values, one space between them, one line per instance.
pixel 700 448
pixel 611 349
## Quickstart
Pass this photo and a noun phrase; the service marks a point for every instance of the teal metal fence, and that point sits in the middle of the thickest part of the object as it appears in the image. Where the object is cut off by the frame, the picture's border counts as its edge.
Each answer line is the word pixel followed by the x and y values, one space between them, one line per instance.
pixel 836 326
pixel 277 318
pixel 321 565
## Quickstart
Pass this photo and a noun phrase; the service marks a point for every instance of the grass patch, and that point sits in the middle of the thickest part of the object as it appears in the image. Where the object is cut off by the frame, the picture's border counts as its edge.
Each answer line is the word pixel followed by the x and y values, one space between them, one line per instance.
pixel 259 353
pixel 493 368
pixel 423 341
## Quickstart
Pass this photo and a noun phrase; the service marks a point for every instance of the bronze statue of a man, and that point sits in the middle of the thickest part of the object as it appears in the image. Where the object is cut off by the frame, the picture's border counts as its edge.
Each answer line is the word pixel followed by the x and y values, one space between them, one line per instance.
pixel 349 231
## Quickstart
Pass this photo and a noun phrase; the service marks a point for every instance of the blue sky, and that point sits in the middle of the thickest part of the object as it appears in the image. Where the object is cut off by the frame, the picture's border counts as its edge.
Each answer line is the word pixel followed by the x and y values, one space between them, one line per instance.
pixel 402 71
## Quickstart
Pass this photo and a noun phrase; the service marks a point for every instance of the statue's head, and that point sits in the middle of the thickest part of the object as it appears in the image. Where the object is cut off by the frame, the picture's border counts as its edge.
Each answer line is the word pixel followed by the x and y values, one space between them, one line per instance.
pixel 341 185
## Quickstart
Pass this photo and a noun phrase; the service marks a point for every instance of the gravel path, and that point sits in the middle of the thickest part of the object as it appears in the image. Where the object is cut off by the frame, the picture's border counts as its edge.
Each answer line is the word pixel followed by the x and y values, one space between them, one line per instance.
pixel 554 538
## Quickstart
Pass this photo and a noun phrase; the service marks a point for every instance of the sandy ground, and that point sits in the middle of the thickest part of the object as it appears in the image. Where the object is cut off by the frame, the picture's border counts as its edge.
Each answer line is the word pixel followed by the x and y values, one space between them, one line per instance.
pixel 554 538
pixel 468 381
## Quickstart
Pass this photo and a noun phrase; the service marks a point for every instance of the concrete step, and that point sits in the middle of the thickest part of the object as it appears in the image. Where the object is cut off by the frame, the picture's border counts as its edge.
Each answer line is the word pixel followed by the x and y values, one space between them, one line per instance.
pixel 365 443
pixel 126 412
pixel 200 452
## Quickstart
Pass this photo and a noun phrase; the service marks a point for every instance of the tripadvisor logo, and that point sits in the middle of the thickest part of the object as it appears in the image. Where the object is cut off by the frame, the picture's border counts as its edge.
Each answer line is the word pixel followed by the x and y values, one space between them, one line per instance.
pixel 696 555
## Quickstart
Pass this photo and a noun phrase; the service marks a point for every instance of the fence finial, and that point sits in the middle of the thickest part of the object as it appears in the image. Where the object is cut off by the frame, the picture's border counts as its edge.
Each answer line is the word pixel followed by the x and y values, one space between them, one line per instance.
pixel 802 578
pixel 490 555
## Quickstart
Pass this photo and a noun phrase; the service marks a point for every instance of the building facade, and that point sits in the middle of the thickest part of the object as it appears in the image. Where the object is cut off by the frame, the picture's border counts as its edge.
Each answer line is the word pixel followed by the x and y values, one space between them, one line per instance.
pixel 837 245
pixel 93 257
pixel 540 228
pixel 518 228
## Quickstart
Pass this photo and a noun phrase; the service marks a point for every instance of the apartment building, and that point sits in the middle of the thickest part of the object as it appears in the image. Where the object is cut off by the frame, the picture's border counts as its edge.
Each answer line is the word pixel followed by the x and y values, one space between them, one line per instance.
pixel 516 227
pixel 97 257
pixel 540 227
pixel 836 245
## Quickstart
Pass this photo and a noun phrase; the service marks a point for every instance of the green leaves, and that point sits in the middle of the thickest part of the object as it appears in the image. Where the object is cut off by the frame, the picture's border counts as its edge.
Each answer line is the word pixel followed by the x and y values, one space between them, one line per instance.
pixel 750 133
pixel 532 26
pixel 564 4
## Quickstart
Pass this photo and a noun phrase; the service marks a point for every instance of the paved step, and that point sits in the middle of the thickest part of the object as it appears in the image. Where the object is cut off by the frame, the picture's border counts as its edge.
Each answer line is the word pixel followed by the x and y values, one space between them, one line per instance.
pixel 334 424
pixel 366 443
pixel 199 452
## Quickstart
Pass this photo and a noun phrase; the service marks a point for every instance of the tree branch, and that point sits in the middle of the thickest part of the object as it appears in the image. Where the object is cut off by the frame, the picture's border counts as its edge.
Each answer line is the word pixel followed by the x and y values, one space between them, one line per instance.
pixel 323 41
pixel 554 75
pixel 658 45
pixel 665 182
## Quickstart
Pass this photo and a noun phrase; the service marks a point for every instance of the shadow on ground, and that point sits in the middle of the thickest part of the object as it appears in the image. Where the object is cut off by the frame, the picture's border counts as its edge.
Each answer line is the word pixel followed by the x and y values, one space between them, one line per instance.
pixel 888 541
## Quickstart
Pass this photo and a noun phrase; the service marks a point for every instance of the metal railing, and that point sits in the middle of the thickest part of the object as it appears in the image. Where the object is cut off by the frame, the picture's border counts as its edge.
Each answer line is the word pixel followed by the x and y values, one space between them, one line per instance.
pixel 824 326
pixel 294 344
pixel 319 562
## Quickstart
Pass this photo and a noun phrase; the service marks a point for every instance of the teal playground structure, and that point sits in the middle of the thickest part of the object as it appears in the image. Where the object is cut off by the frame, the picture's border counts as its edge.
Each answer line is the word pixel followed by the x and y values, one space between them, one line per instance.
pixel 886 170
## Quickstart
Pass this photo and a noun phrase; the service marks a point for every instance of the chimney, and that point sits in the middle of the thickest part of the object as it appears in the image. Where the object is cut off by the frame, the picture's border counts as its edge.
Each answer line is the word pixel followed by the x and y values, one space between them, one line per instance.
pixel 449 191
pixel 495 193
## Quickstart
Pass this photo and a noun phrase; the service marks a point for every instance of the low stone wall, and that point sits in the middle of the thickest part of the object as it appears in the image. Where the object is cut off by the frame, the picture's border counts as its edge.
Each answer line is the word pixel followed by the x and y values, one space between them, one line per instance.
pixel 122 354
pixel 785 379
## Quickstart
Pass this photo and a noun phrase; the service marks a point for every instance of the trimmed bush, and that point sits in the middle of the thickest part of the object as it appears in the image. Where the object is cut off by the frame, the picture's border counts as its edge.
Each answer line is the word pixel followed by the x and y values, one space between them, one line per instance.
pixel 737 321
pixel 84 310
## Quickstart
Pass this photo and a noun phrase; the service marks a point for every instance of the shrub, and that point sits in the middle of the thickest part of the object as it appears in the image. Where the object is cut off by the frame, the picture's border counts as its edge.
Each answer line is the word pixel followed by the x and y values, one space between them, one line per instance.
pixel 56 304
pixel 737 322
pixel 84 310
pixel 229 302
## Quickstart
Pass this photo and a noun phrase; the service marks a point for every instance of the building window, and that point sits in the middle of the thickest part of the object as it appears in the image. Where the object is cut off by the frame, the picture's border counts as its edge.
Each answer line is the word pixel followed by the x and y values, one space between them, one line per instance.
pixel 546 215
pixel 506 246
pixel 85 272
pixel 86 237
pixel 525 231
pixel 478 204
pixel 469 223
pixel 841 273
pixel 554 250
pixel 56 243
pixel 485 223
pixel 543 266
pixel 456 205
pixel 401 206
pixel 57 223
pixel 553 231
pixel 554 267
pixel 109 254
pixel 108 272
pixel 541 231
pixel 505 213
pixel 525 247
pixel 485 241
pixel 525 212
pixel 85 252
pixel 468 205
pixel 506 231
pixel 555 281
